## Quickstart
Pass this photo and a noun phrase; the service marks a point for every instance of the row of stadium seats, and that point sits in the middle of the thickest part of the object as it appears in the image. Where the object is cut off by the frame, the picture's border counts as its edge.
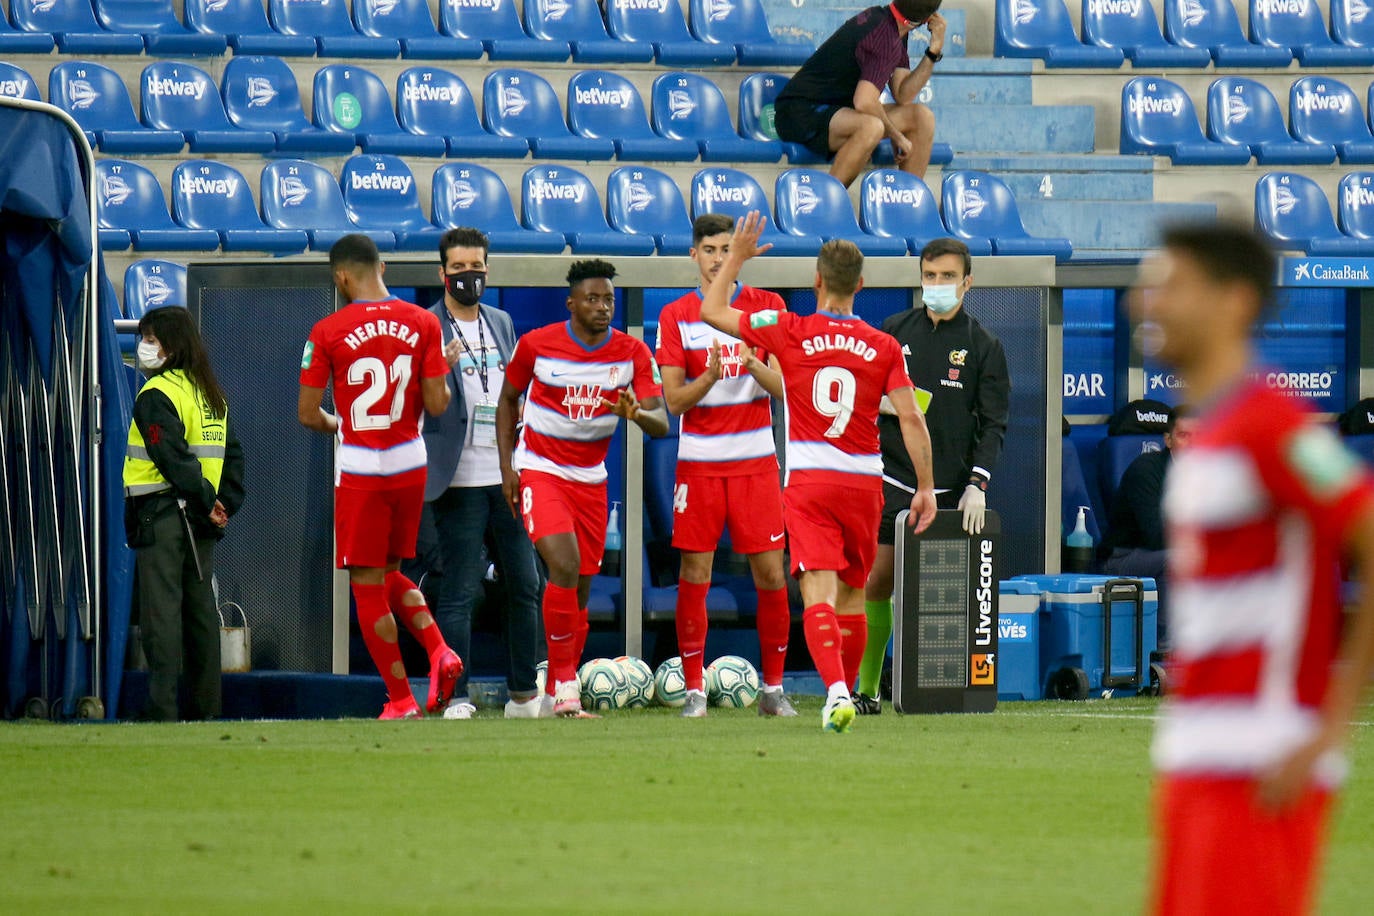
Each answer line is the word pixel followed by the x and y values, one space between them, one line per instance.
pixel 1292 210
pixel 1244 120
pixel 257 108
pixel 1196 33
pixel 722 32
pixel 304 205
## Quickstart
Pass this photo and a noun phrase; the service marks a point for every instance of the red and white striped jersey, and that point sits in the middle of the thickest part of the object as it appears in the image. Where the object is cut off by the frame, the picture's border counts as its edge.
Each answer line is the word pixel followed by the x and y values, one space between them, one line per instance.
pixel 567 427
pixel 730 431
pixel 835 371
pixel 1257 508
pixel 375 354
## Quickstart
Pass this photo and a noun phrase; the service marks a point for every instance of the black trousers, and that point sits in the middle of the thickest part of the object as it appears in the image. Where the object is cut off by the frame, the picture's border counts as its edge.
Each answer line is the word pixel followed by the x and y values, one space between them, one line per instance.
pixel 179 621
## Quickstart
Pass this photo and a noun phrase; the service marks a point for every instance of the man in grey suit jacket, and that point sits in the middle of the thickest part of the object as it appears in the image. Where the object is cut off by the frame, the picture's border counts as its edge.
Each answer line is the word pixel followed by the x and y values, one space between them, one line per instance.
pixel 463 485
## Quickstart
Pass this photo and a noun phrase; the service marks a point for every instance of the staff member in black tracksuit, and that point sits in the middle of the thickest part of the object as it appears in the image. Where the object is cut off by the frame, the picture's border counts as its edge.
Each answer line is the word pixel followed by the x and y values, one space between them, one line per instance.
pixel 961 380
pixel 183 478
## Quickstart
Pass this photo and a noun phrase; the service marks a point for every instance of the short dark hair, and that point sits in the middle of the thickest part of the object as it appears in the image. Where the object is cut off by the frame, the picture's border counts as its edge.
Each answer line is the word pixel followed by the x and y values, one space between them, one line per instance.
pixel 841 264
pixel 354 250
pixel 463 237
pixel 1176 413
pixel 709 224
pixel 918 11
pixel 1227 252
pixel 936 248
pixel 590 270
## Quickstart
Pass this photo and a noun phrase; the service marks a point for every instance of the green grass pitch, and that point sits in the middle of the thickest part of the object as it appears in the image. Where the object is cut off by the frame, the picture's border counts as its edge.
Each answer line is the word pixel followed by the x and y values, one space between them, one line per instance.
pixel 1037 808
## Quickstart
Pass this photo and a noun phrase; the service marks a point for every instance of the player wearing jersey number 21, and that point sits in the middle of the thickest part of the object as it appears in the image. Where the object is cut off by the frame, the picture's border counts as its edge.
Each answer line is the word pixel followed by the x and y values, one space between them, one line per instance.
pixel 835 371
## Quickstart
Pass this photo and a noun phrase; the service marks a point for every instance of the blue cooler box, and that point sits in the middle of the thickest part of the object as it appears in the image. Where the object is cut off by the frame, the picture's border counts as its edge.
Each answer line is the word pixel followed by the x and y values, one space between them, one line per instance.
pixel 1072 656
pixel 1018 641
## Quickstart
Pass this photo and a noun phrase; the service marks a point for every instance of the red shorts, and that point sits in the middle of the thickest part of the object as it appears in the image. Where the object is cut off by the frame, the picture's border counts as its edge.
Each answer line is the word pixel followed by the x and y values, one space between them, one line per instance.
pixel 1218 851
pixel 833 529
pixel 375 527
pixel 552 505
pixel 751 506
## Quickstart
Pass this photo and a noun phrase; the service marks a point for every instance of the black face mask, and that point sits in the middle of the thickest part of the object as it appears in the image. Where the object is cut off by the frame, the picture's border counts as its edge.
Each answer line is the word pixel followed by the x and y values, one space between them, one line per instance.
pixel 466 286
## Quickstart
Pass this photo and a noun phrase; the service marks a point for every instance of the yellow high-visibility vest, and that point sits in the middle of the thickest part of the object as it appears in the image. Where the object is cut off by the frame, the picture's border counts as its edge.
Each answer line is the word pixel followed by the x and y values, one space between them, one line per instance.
pixel 205 435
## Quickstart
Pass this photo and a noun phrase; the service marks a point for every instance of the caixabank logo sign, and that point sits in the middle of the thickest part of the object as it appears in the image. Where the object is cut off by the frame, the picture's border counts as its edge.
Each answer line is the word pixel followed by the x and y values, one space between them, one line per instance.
pixel 1327 272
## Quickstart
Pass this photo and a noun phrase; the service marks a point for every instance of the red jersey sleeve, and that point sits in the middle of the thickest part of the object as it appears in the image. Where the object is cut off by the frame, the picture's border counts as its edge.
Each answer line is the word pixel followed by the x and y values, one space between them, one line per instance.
pixel 765 329
pixel 520 369
pixel 315 367
pixel 669 344
pixel 432 361
pixel 647 383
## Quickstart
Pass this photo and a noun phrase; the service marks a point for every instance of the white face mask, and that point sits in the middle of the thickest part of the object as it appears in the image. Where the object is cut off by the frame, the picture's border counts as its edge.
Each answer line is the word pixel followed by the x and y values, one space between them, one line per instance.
pixel 941 298
pixel 148 357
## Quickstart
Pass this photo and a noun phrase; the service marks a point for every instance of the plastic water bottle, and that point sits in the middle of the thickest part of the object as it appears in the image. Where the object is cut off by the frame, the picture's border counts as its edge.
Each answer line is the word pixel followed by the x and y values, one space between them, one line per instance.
pixel 1078 546
pixel 610 558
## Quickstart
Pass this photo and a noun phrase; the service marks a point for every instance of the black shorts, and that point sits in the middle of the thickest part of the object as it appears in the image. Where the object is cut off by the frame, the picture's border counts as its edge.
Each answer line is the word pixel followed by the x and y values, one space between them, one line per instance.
pixel 805 122
pixel 895 499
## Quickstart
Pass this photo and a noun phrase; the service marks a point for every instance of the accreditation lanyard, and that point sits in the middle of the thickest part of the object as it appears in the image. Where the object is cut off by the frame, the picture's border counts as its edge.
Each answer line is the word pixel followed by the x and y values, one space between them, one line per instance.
pixel 484 414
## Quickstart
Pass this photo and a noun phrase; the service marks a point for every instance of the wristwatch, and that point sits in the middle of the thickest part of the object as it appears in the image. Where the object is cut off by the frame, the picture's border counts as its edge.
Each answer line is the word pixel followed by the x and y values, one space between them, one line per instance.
pixel 934 58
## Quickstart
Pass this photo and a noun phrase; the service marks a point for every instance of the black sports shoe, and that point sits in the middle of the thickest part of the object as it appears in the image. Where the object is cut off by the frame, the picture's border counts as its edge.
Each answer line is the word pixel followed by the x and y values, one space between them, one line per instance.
pixel 866 705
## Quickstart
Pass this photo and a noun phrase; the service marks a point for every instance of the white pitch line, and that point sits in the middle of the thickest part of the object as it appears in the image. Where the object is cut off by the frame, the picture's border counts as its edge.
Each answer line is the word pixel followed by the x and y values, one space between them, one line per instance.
pixel 1070 714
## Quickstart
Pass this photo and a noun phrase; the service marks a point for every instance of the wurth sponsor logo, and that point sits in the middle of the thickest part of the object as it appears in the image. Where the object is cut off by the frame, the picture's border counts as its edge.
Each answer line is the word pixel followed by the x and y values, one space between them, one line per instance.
pixel 541 189
pixel 81 95
pixel 605 98
pixel 261 92
pixel 292 191
pixel 380 181
pixel 192 89
pixel 582 401
pixel 886 194
pixel 114 190
pixel 15 88
pixel 1114 7
pixel 1320 100
pixel 199 184
pixel 428 92
pixel 1149 104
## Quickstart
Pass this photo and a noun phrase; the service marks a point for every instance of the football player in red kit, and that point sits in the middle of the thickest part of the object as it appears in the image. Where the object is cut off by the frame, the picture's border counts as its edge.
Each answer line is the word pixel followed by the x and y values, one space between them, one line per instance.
pixel 835 370
pixel 386 362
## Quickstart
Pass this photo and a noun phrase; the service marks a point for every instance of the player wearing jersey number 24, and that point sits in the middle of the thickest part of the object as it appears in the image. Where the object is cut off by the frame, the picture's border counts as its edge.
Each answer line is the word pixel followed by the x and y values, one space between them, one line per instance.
pixel 835 371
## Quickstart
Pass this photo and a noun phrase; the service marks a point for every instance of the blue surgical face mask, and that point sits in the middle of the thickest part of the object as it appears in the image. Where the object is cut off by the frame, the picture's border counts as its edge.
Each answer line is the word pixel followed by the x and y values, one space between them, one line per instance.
pixel 942 298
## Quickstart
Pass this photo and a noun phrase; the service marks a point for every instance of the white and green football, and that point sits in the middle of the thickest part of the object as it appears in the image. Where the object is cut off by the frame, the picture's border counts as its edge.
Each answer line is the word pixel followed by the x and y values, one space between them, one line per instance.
pixel 641 678
pixel 604 685
pixel 670 687
pixel 731 682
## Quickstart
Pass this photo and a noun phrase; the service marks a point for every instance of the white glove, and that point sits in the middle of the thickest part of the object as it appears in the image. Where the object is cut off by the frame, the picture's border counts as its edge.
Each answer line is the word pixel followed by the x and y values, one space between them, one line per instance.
pixel 974 505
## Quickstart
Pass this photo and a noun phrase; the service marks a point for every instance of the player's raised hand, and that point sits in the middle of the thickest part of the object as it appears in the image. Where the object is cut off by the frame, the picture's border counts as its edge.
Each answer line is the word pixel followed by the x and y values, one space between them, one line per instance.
pixel 627 405
pixel 715 366
pixel 922 510
pixel 748 230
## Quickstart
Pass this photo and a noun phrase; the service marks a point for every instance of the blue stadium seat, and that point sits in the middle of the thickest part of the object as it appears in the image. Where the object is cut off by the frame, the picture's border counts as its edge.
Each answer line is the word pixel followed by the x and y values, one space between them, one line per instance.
pixel 1133 28
pixel 72 25
pixel 15 41
pixel 437 103
pixel 742 23
pixel 162 33
pixel 579 23
pixel 1351 23
pixel 808 202
pixel 1244 112
pixel 329 25
pixel 1158 119
pixel 519 103
pixel 244 23
pixel 179 96
pixel 410 22
pixel 561 199
pixel 260 93
pixel 466 194
pixel 95 96
pixel 16 83
pixel 379 192
pixel 1355 207
pixel 1213 24
pixel 662 26
pixel 1325 110
pixel 977 205
pixel 1042 29
pixel 351 100
pixel 898 205
pixel 604 105
pixel 1292 210
pixel 153 284
pixel 644 201
pixel 1300 29
pixel 757 93
pixel 297 194
pixel 687 106
pixel 496 24
pixel 130 207
pixel 735 193
pixel 215 196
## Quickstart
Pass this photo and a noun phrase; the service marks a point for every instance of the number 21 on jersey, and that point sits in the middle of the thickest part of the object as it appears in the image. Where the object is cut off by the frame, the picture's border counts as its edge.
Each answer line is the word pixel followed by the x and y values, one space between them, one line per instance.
pixel 372 372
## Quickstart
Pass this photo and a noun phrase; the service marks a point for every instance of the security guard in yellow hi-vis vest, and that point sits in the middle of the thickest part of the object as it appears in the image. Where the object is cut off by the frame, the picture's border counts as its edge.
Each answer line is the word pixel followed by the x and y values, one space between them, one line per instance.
pixel 183 479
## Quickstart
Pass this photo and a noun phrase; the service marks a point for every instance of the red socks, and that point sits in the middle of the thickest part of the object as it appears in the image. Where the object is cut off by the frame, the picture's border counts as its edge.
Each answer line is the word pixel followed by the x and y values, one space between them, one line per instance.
pixel 386 654
pixel 397 585
pixel 775 622
pixel 690 621
pixel 824 642
pixel 561 630
pixel 853 639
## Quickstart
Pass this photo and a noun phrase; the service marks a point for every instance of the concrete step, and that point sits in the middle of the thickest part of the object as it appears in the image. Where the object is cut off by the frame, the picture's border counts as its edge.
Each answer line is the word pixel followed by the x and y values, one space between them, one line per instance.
pixel 980 89
pixel 1015 128
pixel 1072 177
pixel 1106 225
